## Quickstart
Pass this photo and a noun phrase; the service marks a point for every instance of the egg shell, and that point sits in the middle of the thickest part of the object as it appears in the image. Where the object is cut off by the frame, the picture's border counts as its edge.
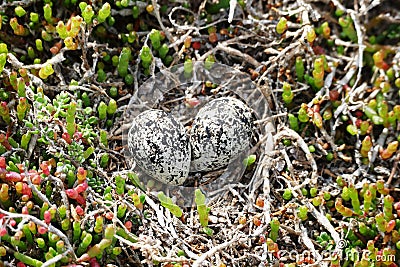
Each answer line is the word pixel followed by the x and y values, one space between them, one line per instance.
pixel 160 146
pixel 221 131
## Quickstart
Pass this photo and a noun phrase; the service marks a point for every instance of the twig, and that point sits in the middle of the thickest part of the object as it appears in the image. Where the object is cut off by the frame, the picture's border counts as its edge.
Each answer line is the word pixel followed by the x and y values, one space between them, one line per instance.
pixel 214 250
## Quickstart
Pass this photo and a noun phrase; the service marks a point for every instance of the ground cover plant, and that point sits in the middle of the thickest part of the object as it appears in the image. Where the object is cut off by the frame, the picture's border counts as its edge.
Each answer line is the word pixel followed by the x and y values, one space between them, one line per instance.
pixel 324 191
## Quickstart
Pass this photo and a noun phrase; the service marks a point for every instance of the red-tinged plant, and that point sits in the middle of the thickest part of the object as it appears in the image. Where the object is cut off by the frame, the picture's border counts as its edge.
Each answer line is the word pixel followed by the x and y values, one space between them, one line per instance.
pixel 256 221
pixel 36 179
pixel 44 166
pixel 26 190
pixel 21 169
pixel 3 162
pixel 109 215
pixel 78 136
pixel 378 58
pixel 81 187
pixel 24 210
pixel 3 231
pixel 390 150
pixel 13 223
pixel 192 102
pixel 94 263
pixel 67 138
pixel 5 112
pixel 390 226
pixel 128 225
pixel 72 193
pixel 81 200
pixel 260 202
pixel 81 174
pixel 333 95
pixel 47 216
pixel 196 45
pixel 25 198
pixel 79 211
pixel 13 177
pixel 42 230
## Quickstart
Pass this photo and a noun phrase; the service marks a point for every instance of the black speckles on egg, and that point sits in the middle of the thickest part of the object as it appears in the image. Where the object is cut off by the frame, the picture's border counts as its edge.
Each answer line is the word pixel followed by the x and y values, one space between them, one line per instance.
pixel 221 130
pixel 160 146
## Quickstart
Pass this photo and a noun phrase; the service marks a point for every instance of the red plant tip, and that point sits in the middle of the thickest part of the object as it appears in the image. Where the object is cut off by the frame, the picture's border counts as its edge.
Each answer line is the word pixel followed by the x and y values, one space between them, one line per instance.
pixel 72 193
pixel 3 231
pixel 318 50
pixel 358 113
pixel 78 136
pixel 81 175
pixel 21 264
pixel 13 223
pixel 42 230
pixel 94 263
pixel 196 45
pixel 79 210
pixel 67 138
pixel 47 217
pixel 109 215
pixel 26 190
pixel 358 123
pixel 81 200
pixel 36 179
pixel 3 162
pixel 25 198
pixel 390 226
pixel 25 210
pixel 128 225
pixel 13 177
pixel 192 102
pixel 316 108
pixel 4 141
pixel 45 168
pixel 21 169
pixel 81 187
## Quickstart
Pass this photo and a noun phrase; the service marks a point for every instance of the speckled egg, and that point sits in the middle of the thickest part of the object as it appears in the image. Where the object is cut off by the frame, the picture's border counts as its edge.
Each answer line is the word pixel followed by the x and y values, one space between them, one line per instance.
pixel 160 146
pixel 221 130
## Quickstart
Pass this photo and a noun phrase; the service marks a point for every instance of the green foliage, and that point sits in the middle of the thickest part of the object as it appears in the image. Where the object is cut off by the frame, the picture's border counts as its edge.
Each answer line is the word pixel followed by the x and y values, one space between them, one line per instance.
pixel 287 194
pixel 166 202
pixel 123 61
pixel 287 94
pixel 249 160
pixel 281 27
pixel 104 12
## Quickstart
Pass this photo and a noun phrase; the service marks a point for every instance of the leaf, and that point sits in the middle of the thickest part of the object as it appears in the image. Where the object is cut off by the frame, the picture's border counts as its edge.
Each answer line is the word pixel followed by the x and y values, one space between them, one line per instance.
pixel 249 160
pixel 135 180
pixel 208 231
pixel 167 203
pixel 200 200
